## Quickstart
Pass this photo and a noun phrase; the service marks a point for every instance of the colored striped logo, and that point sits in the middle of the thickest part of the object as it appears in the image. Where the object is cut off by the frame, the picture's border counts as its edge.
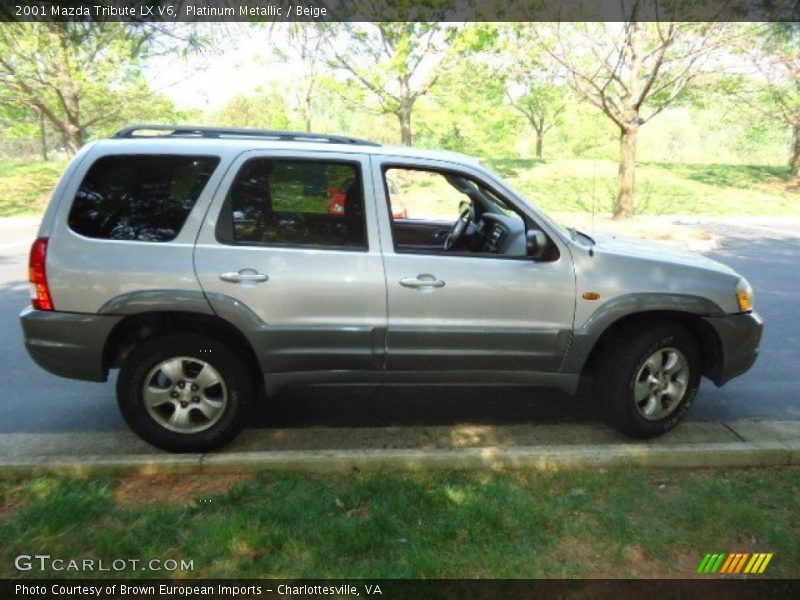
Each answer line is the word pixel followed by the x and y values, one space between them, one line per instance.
pixel 742 562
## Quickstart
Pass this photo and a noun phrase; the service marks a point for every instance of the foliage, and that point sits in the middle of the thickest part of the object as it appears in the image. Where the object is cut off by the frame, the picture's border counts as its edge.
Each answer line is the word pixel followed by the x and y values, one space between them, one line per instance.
pixel 466 113
pixel 394 63
pixel 264 110
pixel 630 71
pixel 79 75
pixel 533 85
pixel 778 65
pixel 305 51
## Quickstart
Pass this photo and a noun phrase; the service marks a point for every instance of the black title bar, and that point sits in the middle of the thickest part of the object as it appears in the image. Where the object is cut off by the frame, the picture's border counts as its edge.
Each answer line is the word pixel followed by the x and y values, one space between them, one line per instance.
pixel 398 589
pixel 167 11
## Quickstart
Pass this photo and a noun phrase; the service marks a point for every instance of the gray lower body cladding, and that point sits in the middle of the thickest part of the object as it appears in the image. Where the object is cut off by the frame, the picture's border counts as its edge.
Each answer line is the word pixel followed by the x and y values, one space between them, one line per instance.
pixel 68 344
pixel 739 336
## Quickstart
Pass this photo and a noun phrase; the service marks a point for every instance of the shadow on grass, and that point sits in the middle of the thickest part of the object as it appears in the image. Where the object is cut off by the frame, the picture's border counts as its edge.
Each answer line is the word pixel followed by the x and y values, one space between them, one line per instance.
pixel 722 175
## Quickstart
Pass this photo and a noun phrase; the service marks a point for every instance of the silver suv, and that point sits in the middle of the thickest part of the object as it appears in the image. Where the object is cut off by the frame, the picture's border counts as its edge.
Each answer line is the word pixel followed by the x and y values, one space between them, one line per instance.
pixel 214 266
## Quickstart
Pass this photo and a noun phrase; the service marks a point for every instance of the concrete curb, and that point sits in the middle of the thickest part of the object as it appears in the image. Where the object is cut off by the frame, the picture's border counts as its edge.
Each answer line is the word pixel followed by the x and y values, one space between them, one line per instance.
pixel 494 458
pixel 739 443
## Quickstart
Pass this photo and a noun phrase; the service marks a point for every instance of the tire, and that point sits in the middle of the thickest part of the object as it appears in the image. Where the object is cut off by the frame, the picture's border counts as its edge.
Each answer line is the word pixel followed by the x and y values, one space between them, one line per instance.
pixel 202 410
pixel 642 391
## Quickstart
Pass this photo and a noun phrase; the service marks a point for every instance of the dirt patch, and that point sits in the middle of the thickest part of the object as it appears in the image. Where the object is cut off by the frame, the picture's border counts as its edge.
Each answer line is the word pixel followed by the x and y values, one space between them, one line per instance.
pixel 191 489
pixel 11 500
pixel 782 185
pixel 10 506
pixel 637 563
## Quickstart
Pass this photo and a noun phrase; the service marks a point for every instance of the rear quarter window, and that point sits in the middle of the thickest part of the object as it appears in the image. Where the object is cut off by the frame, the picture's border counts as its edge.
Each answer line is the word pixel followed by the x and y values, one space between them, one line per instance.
pixel 139 197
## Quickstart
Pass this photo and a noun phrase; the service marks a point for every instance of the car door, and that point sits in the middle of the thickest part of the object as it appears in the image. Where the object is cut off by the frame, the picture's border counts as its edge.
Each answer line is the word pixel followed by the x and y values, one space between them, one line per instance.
pixel 464 314
pixel 289 253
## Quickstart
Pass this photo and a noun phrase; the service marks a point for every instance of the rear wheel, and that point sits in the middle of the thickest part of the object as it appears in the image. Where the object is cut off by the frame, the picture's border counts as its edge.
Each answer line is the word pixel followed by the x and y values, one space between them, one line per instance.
pixel 184 392
pixel 648 378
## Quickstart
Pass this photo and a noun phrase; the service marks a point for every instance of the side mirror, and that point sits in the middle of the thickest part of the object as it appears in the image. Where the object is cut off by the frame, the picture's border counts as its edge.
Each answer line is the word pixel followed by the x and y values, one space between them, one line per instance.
pixel 535 243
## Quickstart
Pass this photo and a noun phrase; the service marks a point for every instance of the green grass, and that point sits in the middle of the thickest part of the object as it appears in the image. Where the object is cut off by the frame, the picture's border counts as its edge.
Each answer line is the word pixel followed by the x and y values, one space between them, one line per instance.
pixel 26 185
pixel 574 185
pixel 573 523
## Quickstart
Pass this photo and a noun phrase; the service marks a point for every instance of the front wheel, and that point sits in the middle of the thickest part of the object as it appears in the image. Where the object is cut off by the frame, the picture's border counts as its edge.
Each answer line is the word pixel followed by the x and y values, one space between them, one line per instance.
pixel 648 378
pixel 184 392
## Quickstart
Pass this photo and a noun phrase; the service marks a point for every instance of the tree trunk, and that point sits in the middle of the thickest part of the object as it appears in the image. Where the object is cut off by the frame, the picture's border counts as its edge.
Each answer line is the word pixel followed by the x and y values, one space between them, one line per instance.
pixel 795 162
pixel 624 205
pixel 43 136
pixel 404 116
pixel 74 129
pixel 73 140
pixel 539 144
pixel 308 100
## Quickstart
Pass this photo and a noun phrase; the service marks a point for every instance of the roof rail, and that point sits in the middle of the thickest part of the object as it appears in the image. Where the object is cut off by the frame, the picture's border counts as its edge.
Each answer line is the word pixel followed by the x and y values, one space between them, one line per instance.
pixel 171 131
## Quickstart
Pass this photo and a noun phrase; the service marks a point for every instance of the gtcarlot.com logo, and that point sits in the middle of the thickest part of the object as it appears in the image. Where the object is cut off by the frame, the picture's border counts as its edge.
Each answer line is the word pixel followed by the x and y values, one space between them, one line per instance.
pixel 45 562
pixel 730 564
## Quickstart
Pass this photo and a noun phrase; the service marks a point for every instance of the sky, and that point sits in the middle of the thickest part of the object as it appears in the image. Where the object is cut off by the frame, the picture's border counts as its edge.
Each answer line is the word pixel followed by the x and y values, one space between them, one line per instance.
pixel 240 62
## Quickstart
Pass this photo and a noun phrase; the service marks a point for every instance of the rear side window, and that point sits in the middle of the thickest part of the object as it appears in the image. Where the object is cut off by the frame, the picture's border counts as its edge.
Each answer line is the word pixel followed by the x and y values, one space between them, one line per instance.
pixel 305 203
pixel 139 197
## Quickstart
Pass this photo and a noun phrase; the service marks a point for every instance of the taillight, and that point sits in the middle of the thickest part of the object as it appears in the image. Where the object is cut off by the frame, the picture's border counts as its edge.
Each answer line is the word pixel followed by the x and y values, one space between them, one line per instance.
pixel 37 275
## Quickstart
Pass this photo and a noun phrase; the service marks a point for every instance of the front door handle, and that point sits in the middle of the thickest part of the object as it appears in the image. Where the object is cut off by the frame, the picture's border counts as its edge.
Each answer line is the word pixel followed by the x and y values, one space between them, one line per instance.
pixel 244 275
pixel 422 281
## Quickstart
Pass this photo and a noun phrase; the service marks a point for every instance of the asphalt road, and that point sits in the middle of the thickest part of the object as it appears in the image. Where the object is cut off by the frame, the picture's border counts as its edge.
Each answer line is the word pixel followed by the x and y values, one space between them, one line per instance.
pixel 767 253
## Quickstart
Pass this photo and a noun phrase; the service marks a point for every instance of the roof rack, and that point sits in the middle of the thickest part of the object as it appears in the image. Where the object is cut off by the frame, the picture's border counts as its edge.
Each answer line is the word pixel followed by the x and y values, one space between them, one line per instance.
pixel 171 131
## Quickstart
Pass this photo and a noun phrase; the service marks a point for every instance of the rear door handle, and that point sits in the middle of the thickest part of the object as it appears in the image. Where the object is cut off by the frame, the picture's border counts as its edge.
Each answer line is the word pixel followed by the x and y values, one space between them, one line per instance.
pixel 422 281
pixel 244 275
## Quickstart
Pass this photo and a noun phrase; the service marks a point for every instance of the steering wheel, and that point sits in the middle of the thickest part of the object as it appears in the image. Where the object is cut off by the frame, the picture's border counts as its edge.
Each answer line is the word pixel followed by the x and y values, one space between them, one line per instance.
pixel 459 228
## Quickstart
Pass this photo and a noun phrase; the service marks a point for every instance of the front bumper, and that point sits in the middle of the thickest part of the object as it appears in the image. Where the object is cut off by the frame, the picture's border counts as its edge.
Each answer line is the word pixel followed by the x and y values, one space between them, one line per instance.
pixel 68 344
pixel 739 336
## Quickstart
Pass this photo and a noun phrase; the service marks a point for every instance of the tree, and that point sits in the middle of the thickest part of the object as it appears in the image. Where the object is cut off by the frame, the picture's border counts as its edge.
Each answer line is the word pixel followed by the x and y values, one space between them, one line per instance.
pixel 259 111
pixel 533 86
pixel 631 71
pixel 395 63
pixel 467 112
pixel 76 75
pixel 306 42
pixel 541 103
pixel 777 62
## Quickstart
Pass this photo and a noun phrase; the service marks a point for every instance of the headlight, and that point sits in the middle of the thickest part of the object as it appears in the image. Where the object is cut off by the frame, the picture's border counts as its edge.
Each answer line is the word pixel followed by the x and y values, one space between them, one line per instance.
pixel 744 295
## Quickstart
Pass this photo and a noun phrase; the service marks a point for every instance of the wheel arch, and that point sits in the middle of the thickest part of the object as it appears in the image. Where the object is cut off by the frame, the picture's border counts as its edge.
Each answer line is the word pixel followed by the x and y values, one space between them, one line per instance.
pixel 132 329
pixel 707 338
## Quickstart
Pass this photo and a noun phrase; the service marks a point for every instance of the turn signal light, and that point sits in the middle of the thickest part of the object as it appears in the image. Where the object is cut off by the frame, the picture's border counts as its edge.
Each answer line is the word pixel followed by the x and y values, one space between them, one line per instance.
pixel 37 275
pixel 745 300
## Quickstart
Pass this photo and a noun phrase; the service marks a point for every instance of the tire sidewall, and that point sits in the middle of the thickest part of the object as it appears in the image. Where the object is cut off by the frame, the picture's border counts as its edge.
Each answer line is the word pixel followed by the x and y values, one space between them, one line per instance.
pixel 153 351
pixel 622 367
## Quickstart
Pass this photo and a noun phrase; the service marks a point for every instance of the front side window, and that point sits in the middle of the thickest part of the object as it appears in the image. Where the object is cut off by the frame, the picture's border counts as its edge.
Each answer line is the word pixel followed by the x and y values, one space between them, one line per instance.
pixel 139 197
pixel 302 203
pixel 435 211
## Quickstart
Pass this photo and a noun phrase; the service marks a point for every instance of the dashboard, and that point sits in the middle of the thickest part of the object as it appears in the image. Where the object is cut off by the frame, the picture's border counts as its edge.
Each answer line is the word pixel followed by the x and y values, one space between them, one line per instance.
pixel 499 234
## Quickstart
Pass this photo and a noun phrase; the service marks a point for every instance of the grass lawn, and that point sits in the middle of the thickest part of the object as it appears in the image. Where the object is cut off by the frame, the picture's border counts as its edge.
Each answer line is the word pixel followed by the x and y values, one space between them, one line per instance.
pixel 563 185
pixel 27 185
pixel 572 523
pixel 571 185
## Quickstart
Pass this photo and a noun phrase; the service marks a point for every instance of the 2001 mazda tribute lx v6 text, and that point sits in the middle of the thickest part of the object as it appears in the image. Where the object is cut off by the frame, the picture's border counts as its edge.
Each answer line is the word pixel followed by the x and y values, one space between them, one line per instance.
pixel 208 266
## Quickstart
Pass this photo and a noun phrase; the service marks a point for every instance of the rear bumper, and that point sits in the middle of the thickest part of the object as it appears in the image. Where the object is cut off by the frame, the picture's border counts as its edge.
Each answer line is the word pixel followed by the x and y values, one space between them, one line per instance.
pixel 68 344
pixel 739 337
